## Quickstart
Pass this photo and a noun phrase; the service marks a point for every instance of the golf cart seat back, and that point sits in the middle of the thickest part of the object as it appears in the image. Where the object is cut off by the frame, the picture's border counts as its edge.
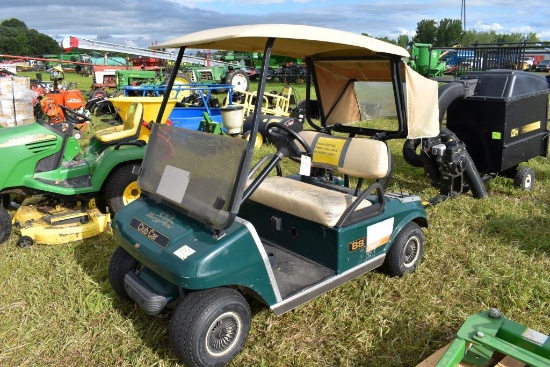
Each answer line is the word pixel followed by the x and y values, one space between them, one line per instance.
pixel 355 157
pixel 128 131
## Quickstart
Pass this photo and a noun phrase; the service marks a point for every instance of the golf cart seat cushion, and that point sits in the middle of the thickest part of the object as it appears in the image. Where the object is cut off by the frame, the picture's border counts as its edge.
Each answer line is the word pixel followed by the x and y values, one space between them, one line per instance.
pixel 129 130
pixel 304 200
pixel 356 157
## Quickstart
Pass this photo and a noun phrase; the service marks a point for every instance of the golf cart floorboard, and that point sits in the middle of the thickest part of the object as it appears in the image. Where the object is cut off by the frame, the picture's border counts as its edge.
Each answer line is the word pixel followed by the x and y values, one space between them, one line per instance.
pixel 293 272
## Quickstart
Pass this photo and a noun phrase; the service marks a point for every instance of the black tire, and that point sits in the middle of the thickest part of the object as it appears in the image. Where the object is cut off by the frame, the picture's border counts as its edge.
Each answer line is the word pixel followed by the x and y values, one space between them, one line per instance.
pixel 525 178
pixel 121 188
pixel 25 242
pixel 410 152
pixel 5 200
pixel 5 225
pixel 406 251
pixel 121 263
pixel 98 93
pixel 210 327
pixel 238 79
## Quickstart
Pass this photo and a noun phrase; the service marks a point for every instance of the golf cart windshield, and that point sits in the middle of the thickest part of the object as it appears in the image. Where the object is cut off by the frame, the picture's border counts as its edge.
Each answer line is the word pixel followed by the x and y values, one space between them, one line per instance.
pixel 193 170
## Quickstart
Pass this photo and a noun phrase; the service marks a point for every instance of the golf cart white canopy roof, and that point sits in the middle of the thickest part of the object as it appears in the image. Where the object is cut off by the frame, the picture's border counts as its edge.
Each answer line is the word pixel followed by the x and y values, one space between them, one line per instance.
pixel 297 41
pixel 303 41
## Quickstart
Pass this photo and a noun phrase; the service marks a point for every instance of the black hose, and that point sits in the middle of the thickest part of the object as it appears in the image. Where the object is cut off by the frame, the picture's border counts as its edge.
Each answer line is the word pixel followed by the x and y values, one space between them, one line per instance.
pixel 475 181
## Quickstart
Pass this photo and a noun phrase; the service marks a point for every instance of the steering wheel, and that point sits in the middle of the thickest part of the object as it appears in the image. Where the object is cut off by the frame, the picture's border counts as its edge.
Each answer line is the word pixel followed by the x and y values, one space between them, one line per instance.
pixel 284 140
pixel 73 116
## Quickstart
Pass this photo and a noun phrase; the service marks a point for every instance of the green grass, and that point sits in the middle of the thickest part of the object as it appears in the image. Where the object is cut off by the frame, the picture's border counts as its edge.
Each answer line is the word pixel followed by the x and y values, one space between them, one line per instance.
pixel 57 307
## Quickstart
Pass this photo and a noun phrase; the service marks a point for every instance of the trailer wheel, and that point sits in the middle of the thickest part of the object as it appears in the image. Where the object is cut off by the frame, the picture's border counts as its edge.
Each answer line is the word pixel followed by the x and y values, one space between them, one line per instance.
pixel 120 264
pixel 525 178
pixel 25 242
pixel 5 225
pixel 210 327
pixel 121 188
pixel 238 79
pixel 406 251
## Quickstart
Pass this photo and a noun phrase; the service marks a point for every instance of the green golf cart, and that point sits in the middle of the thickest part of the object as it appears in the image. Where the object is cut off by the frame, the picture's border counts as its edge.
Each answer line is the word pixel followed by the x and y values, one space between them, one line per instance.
pixel 215 228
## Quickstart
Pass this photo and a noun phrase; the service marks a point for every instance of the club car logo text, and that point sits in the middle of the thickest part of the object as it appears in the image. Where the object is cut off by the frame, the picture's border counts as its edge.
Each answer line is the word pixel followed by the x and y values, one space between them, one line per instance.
pixel 149 233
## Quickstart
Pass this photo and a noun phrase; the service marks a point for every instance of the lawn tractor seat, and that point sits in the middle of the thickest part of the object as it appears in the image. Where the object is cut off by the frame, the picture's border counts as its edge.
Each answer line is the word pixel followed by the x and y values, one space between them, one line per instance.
pixel 128 131
pixel 355 157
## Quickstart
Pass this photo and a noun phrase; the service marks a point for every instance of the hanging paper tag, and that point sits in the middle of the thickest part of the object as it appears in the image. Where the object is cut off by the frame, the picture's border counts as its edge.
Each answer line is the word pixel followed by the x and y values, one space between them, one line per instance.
pixel 305 165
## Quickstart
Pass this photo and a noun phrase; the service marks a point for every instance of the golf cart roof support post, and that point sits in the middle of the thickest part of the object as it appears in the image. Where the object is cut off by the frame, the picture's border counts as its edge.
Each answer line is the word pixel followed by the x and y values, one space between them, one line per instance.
pixel 171 81
pixel 311 76
pixel 256 117
pixel 399 95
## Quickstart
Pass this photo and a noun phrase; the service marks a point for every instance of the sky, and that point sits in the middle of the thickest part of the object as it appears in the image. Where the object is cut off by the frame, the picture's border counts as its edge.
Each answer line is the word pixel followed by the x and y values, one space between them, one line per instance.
pixel 142 23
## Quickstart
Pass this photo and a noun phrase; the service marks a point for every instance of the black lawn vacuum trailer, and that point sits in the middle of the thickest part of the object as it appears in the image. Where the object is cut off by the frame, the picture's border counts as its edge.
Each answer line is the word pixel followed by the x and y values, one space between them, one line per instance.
pixel 495 120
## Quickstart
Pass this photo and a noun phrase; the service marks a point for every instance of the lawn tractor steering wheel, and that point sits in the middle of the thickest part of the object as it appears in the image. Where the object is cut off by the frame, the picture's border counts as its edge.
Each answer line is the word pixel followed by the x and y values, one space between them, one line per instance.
pixel 73 116
pixel 284 138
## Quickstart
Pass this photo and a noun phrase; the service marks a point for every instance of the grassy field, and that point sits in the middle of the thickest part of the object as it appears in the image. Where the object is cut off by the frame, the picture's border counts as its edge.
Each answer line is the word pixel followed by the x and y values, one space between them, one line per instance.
pixel 57 306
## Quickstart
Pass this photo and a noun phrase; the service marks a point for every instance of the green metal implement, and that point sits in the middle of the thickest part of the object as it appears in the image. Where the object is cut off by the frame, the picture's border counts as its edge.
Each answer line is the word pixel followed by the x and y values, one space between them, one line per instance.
pixel 488 332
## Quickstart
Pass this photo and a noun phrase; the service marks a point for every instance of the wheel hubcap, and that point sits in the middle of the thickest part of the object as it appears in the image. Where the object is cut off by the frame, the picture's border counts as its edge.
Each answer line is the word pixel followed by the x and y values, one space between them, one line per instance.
pixel 411 251
pixel 223 334
pixel 131 193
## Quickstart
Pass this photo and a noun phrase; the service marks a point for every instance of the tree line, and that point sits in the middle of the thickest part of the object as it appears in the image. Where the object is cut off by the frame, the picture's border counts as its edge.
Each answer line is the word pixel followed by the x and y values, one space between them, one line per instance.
pixel 449 32
pixel 17 39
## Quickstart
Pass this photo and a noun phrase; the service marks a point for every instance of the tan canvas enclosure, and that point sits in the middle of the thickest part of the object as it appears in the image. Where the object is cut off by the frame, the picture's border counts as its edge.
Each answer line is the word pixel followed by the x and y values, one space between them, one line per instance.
pixel 339 81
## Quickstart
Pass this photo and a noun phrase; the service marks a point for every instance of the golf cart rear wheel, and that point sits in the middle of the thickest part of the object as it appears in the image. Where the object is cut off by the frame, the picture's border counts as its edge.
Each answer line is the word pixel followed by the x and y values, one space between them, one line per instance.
pixel 210 327
pixel 5 225
pixel 525 178
pixel 121 188
pixel 406 251
pixel 120 264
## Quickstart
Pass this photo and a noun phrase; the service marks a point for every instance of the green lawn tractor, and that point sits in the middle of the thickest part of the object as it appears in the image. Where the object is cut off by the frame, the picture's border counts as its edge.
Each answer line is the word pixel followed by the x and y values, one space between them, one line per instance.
pixel 213 229
pixel 62 186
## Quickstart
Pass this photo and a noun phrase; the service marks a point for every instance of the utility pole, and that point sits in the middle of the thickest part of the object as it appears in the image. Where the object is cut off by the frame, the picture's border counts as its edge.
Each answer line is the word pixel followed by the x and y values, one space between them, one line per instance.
pixel 463 15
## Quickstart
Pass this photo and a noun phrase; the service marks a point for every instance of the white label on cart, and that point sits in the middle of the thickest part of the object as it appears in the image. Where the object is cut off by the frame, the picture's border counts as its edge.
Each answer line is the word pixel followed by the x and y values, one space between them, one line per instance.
pixel 305 165
pixel 379 234
pixel 534 336
pixel 167 186
pixel 184 252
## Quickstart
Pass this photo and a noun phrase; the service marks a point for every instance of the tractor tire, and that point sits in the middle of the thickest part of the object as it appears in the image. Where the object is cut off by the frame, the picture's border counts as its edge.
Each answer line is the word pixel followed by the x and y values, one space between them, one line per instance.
pixel 405 252
pixel 182 79
pixel 98 93
pixel 525 178
pixel 238 79
pixel 121 263
pixel 121 188
pixel 5 225
pixel 210 327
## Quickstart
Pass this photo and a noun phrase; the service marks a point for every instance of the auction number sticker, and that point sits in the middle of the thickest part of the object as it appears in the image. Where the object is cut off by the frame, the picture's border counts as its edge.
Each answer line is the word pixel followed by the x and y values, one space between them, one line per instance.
pixel 184 252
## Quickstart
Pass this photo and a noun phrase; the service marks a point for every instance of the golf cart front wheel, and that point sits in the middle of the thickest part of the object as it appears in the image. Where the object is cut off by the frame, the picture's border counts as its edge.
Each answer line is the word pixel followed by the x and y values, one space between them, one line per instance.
pixel 525 178
pixel 210 327
pixel 5 225
pixel 120 264
pixel 406 251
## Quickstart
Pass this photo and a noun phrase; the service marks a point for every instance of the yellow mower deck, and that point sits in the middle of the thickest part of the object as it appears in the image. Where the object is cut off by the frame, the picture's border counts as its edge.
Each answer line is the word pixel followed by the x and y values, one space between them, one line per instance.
pixel 59 225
